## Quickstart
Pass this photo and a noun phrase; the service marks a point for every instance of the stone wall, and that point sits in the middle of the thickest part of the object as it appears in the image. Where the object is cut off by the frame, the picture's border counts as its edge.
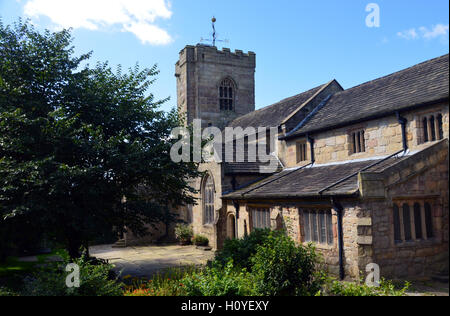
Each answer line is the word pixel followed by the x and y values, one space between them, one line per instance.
pixel 199 72
pixel 423 180
pixel 211 231
pixel 382 138
pixel 288 216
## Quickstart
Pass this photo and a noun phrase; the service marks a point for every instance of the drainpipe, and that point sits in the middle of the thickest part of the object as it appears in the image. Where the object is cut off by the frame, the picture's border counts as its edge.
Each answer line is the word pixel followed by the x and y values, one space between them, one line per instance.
pixel 402 121
pixel 233 183
pixel 311 145
pixel 339 210
pixel 236 207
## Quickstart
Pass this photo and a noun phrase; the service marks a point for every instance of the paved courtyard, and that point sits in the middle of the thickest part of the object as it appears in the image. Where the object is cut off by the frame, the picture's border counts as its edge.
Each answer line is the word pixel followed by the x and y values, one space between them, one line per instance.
pixel 148 260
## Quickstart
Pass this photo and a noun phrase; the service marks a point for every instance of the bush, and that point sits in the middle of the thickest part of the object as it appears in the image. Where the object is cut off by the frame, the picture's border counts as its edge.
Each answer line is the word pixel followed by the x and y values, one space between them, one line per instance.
pixel 282 268
pixel 95 280
pixel 201 241
pixel 167 283
pixel 219 281
pixel 386 288
pixel 184 233
pixel 7 292
pixel 241 250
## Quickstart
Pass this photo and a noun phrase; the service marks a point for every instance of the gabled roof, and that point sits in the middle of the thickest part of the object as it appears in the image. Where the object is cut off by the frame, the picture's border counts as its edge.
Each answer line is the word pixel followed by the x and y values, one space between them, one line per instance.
pixel 326 180
pixel 418 85
pixel 273 115
pixel 249 165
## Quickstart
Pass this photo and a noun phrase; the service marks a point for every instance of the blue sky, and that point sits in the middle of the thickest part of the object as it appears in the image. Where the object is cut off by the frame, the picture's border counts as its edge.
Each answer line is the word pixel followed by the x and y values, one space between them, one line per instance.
pixel 298 44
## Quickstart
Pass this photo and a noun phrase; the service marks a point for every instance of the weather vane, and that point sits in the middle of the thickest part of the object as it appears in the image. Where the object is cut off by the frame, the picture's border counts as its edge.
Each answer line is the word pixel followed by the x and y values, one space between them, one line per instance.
pixel 214 34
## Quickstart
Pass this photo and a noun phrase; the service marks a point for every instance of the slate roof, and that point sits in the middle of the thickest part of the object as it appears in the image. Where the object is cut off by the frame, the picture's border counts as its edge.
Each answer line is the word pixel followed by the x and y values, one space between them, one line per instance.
pixel 273 115
pixel 311 181
pixel 423 83
pixel 249 166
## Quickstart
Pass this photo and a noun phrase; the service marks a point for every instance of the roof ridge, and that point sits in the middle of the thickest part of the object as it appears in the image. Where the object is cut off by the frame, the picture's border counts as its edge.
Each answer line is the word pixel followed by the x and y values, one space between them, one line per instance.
pixel 429 61
pixel 278 102
pixel 309 100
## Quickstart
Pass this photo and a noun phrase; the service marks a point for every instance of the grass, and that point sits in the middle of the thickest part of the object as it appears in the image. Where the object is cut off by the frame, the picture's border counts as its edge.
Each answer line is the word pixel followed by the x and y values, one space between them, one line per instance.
pixel 13 271
pixel 14 266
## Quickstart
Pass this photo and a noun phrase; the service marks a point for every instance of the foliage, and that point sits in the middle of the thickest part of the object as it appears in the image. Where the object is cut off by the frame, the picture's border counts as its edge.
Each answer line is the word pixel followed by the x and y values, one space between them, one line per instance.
pixel 95 280
pixel 7 292
pixel 184 232
pixel 220 281
pixel 241 250
pixel 74 141
pixel 167 283
pixel 386 288
pixel 282 268
pixel 199 240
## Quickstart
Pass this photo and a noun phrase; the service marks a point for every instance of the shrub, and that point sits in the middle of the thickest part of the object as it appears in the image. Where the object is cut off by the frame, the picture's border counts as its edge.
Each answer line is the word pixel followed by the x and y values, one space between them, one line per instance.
pixel 282 268
pixel 386 288
pixel 200 241
pixel 219 281
pixel 183 232
pixel 241 250
pixel 95 280
pixel 167 283
pixel 7 292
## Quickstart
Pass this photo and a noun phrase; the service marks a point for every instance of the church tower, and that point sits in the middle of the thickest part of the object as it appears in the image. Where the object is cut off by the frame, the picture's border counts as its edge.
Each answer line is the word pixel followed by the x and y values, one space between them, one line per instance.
pixel 215 85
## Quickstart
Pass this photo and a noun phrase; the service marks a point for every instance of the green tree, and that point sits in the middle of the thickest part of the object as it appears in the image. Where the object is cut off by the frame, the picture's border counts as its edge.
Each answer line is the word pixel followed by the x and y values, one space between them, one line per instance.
pixel 75 141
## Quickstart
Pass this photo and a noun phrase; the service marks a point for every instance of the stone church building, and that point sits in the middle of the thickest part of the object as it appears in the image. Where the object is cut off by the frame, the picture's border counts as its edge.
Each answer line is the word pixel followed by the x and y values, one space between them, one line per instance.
pixel 362 172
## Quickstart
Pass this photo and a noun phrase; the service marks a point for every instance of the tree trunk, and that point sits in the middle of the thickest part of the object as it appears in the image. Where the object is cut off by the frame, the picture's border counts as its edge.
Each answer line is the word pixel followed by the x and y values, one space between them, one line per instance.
pixel 73 247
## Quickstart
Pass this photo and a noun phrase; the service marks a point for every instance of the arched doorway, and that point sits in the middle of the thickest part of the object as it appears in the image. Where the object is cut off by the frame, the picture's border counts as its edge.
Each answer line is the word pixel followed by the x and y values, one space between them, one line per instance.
pixel 231 227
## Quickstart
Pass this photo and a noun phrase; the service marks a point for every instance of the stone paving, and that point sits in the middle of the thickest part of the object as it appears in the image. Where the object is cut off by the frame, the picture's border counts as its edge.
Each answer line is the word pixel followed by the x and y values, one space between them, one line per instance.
pixel 148 260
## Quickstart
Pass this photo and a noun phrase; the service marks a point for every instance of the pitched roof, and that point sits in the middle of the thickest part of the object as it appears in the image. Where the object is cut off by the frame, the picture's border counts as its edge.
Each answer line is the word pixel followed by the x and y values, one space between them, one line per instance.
pixel 419 84
pixel 273 115
pixel 337 179
pixel 249 165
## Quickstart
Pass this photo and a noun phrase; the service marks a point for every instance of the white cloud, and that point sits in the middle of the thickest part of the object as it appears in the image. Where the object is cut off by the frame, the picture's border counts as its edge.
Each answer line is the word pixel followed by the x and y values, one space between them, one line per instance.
pixel 437 31
pixel 135 16
pixel 408 34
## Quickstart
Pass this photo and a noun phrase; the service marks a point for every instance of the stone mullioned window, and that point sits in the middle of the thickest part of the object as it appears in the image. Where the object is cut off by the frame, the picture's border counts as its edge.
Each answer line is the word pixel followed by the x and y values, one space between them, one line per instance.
pixel 357 142
pixel 301 149
pixel 413 221
pixel 260 218
pixel 431 128
pixel 318 226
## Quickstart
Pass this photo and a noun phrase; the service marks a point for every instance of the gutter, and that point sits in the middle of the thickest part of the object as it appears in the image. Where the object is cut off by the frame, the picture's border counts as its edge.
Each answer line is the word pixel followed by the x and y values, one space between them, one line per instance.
pixel 362 170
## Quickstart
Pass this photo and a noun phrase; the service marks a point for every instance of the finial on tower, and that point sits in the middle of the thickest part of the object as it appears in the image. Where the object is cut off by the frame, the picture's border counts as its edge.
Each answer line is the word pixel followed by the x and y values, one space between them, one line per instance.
pixel 214 34
pixel 213 20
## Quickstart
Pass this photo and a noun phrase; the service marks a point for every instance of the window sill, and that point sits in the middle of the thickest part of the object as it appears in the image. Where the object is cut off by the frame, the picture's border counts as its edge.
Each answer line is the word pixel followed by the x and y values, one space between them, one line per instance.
pixel 320 246
pixel 417 243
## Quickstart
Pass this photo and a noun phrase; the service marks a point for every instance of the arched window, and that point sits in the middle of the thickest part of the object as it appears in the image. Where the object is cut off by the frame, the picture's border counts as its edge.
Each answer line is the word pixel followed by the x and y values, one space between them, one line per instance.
pixel 226 95
pixel 208 200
